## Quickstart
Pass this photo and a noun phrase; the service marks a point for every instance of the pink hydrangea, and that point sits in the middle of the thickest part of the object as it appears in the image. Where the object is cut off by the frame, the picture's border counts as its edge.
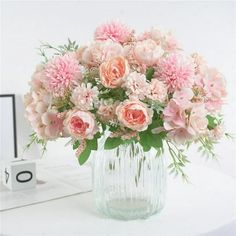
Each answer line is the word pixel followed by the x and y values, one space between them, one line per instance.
pixel 136 85
pixel 176 71
pixel 115 30
pixel 85 96
pixel 62 73
pixel 183 98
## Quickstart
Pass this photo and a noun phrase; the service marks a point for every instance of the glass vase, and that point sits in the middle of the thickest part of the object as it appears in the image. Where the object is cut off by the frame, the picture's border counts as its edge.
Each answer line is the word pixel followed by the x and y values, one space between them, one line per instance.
pixel 128 183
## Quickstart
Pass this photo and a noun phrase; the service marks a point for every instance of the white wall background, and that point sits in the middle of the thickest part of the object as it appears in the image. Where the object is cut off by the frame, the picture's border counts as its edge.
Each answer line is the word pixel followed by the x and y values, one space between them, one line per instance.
pixel 206 27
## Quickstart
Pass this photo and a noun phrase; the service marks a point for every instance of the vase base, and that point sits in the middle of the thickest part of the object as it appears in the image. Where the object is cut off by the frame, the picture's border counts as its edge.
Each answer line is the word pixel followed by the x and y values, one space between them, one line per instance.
pixel 129 209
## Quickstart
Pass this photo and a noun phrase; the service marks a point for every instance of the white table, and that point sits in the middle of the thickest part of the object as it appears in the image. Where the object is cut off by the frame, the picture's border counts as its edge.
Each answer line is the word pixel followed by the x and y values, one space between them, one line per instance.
pixel 205 207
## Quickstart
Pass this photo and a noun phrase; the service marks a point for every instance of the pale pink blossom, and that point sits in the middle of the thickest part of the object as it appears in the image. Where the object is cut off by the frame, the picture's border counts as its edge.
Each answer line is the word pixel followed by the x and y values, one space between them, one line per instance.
pixel 215 89
pixel 80 124
pixel 174 116
pixel 106 112
pixel 200 65
pixel 62 73
pixel 136 85
pixel 197 121
pixel 154 34
pixel 134 114
pixel 147 52
pixel 37 78
pixel 218 132
pixel 85 97
pixel 158 91
pixel 169 42
pixel 114 30
pixel 53 125
pixel 100 51
pixel 113 72
pixel 183 98
pixel 176 71
pixel 180 135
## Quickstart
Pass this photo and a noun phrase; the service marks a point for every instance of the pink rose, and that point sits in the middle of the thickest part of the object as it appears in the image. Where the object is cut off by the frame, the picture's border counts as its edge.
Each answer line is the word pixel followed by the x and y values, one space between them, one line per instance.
pixel 134 115
pixel 80 124
pixel 113 72
pixel 147 52
pixel 158 91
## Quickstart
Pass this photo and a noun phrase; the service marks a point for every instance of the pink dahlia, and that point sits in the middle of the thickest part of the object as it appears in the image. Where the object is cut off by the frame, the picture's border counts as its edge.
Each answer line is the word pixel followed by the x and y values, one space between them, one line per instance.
pixel 115 30
pixel 176 71
pixel 62 73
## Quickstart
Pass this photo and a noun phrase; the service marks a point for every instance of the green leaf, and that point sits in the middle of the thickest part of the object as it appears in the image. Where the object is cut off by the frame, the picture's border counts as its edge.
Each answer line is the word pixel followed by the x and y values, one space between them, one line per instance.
pixel 76 144
pixel 83 157
pixel 149 73
pixel 212 122
pixel 148 140
pixel 111 143
pixel 92 144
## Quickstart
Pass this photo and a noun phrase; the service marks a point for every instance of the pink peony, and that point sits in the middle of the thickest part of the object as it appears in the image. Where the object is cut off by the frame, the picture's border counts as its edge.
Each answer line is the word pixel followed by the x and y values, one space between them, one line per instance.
pixel 134 115
pixel 113 72
pixel 115 31
pixel 62 73
pixel 147 52
pixel 100 51
pixel 136 85
pixel 158 91
pixel 176 71
pixel 85 96
pixel 80 124
pixel 183 98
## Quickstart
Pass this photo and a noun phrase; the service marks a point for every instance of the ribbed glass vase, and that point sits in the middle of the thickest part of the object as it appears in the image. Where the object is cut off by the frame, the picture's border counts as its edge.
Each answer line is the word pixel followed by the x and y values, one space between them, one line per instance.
pixel 128 183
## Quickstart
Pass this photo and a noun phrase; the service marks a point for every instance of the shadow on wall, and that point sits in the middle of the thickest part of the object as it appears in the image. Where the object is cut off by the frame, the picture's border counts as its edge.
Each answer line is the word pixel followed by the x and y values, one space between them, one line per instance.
pixel 23 132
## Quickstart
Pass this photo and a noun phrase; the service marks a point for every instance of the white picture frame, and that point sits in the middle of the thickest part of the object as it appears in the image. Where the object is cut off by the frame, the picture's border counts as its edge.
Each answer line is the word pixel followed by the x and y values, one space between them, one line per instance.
pixel 8 130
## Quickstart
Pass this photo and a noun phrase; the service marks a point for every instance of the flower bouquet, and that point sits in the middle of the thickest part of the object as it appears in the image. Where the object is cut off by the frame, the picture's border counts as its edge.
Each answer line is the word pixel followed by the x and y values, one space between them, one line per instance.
pixel 134 90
